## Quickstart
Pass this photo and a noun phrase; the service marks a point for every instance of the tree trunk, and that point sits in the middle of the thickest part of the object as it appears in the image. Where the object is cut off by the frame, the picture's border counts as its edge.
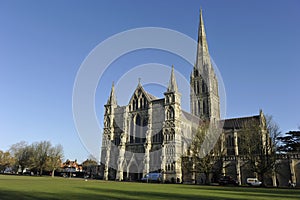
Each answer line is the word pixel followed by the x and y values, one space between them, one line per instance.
pixel 53 171
pixel 262 177
pixel 22 169
pixel 207 181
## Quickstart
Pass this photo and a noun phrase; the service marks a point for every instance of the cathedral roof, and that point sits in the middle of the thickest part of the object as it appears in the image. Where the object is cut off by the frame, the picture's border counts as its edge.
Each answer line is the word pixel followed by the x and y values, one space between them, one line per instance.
pixel 151 97
pixel 237 123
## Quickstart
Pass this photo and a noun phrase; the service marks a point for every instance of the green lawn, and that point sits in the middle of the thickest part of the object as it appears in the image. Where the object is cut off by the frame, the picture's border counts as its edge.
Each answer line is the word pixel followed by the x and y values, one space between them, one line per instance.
pixel 26 187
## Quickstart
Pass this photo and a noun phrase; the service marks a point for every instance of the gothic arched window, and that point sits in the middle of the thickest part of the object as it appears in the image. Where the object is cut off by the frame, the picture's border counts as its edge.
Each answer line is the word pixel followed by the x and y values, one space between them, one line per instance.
pixel 170 113
pixel 166 135
pixel 117 139
pixel 203 86
pixel 107 124
pixel 160 136
pixel 131 127
pixel 145 102
pixel 136 105
pixel 133 105
pixel 144 129
pixel 138 122
pixel 230 141
pixel 172 134
pixel 199 108
pixel 141 102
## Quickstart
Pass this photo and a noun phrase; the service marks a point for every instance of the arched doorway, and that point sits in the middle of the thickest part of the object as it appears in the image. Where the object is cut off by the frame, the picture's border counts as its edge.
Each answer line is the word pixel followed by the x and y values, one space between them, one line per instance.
pixel 134 173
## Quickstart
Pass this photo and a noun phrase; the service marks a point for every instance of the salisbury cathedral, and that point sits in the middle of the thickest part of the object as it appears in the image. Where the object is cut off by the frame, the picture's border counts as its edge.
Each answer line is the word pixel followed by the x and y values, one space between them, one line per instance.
pixel 152 134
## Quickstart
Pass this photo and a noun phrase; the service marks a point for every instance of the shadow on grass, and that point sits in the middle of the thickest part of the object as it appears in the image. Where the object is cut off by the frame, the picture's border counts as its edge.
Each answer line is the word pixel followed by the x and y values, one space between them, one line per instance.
pixel 252 191
pixel 204 193
pixel 152 194
pixel 100 193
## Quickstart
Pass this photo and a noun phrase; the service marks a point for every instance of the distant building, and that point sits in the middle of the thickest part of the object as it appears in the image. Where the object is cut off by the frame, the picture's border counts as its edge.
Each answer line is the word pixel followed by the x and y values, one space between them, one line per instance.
pixel 71 166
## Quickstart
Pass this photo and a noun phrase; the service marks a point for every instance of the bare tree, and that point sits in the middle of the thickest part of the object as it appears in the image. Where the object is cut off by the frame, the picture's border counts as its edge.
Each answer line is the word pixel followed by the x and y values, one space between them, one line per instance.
pixel 274 132
pixel 258 145
pixel 203 155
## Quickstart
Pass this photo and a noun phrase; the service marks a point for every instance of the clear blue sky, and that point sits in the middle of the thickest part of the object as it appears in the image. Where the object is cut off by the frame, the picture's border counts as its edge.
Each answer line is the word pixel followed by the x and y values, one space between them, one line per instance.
pixel 254 43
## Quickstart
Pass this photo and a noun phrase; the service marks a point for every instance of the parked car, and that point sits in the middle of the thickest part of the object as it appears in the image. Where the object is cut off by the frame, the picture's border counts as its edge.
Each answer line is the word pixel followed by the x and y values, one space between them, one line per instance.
pixel 152 177
pixel 227 180
pixel 291 184
pixel 253 182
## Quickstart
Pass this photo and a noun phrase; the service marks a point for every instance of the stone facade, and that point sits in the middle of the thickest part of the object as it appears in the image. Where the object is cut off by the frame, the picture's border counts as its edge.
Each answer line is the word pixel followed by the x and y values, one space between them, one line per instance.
pixel 145 136
pixel 151 134
pixel 154 135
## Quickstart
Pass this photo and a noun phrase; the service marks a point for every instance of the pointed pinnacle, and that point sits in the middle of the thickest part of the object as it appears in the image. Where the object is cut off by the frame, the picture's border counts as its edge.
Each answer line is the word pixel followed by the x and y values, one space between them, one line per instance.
pixel 172 84
pixel 112 98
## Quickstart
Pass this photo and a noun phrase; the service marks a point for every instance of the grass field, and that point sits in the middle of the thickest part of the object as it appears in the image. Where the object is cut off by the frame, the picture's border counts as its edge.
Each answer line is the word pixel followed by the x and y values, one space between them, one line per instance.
pixel 26 187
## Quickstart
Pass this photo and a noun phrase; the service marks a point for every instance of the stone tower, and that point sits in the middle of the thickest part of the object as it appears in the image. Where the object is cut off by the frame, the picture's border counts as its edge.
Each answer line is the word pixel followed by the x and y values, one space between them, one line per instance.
pixel 171 147
pixel 108 132
pixel 204 96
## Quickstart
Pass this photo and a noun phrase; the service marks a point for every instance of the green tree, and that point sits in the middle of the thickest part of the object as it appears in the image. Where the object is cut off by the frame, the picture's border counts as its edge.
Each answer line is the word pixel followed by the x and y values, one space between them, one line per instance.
pixel 55 156
pixel 41 155
pixel 90 166
pixel 290 142
pixel 37 156
pixel 23 155
pixel 6 160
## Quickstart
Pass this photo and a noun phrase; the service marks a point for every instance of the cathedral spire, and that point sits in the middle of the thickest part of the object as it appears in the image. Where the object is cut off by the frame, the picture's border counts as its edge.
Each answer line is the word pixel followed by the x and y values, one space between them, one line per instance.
pixel 201 24
pixel 204 96
pixel 172 83
pixel 202 48
pixel 112 97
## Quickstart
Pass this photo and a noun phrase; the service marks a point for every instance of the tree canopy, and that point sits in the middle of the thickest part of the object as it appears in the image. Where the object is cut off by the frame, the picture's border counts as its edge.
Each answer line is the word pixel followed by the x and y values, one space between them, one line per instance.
pixel 38 156
pixel 290 142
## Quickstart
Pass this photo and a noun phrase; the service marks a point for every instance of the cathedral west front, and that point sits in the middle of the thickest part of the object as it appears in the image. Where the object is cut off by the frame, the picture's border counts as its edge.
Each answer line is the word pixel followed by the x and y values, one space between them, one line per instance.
pixel 149 134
